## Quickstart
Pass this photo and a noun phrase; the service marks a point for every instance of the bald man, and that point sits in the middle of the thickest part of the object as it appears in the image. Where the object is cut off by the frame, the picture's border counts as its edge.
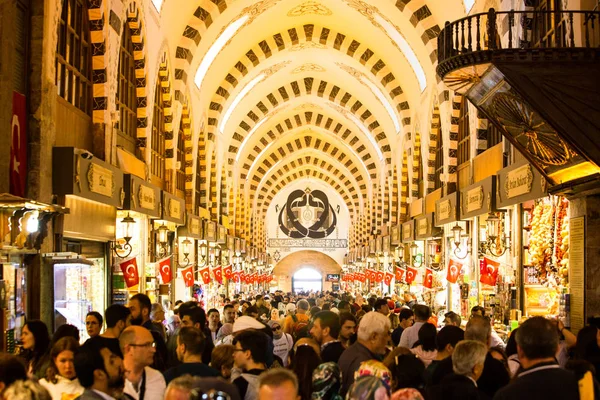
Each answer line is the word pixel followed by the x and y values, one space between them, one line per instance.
pixel 141 381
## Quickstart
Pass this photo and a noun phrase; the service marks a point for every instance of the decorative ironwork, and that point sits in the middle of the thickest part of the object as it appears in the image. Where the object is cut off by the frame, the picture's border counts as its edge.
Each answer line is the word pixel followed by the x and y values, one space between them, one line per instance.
pixel 307 207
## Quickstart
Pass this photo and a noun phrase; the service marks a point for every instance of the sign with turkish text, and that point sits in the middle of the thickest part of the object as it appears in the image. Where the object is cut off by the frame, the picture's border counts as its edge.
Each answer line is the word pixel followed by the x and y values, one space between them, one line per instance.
pixel 474 200
pixel 100 180
pixel 146 197
pixel 519 181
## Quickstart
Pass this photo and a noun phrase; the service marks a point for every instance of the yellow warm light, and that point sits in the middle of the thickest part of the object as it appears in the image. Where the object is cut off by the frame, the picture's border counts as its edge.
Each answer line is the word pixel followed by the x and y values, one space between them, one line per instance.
pixel 581 170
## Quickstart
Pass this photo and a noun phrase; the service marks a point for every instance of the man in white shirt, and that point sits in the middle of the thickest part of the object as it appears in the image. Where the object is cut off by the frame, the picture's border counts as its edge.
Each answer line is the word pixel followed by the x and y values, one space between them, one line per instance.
pixel 141 381
pixel 411 334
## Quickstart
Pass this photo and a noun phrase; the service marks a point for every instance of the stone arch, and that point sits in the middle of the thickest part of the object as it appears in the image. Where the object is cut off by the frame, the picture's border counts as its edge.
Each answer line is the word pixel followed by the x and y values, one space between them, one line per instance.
pixel 434 139
pixel 164 78
pixel 404 189
pixel 416 165
pixel 299 259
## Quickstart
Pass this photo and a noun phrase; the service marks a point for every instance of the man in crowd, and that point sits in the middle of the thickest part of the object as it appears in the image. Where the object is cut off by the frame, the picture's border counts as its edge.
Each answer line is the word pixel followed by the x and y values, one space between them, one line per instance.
pixel 325 330
pixel 228 314
pixel 11 370
pixel 541 378
pixel 263 311
pixel 250 356
pixel 411 334
pixel 381 306
pixel 495 340
pixel 452 319
pixel 117 319
pixel 447 339
pixel 99 371
pixel 193 316
pixel 214 323
pixel 373 335
pixel 410 300
pixel 190 346
pixel 278 384
pixel 140 307
pixel 347 328
pixel 406 319
pixel 344 306
pixel 299 316
pixel 141 381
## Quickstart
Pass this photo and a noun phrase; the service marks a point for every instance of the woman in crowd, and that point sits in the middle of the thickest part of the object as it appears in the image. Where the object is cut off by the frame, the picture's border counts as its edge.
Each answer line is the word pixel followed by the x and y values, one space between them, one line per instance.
pixel 511 352
pixel 36 341
pixel 157 316
pixel 326 382
pixel 304 361
pixel 427 348
pixel 61 380
pixel 587 347
pixel 368 388
pixel 222 360
pixel 93 323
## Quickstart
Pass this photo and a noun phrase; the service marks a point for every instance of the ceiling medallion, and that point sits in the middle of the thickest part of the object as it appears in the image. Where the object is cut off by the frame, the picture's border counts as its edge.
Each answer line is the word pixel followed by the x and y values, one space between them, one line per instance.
pixel 308 8
pixel 309 67
pixel 307 45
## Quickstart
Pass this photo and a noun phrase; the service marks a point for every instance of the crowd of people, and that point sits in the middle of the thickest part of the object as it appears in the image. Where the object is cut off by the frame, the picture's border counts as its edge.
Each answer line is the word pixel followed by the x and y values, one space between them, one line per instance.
pixel 310 346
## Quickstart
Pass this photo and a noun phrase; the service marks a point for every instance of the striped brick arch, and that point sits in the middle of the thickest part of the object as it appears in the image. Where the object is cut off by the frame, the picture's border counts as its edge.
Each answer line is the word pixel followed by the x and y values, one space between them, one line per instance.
pixel 165 91
pixel 323 37
pixel 453 142
pixel 98 35
pixel 186 127
pixel 416 164
pixel 308 119
pixel 403 216
pixel 434 140
pixel 307 87
pixel 306 141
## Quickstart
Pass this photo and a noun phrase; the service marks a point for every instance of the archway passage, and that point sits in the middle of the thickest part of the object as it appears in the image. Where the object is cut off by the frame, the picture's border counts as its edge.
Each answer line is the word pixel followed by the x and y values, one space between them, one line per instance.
pixel 305 268
pixel 307 280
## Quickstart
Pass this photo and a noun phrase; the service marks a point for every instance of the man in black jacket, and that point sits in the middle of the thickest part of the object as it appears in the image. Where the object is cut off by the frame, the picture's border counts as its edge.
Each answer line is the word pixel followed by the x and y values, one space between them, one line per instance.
pixel 325 330
pixel 541 378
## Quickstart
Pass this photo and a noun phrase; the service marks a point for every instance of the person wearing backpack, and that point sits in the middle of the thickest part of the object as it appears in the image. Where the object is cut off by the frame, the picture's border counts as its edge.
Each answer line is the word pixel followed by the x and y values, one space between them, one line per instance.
pixel 297 319
pixel 282 342
pixel 250 355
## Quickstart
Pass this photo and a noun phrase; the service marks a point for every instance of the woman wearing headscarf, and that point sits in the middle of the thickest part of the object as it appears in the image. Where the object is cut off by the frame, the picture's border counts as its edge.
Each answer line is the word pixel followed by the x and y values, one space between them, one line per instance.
pixel 368 388
pixel 326 382
pixel 377 369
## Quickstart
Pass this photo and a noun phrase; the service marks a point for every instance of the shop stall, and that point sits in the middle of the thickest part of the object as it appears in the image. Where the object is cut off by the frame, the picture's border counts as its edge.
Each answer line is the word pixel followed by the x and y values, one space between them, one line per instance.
pixel 187 255
pixel 93 190
pixel 542 230
pixel 426 254
pixel 142 203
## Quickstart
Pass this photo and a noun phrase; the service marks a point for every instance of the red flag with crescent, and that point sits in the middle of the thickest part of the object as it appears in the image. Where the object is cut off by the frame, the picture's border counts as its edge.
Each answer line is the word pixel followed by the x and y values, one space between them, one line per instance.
pixel 228 271
pixel 454 268
pixel 428 279
pixel 205 274
pixel 400 273
pixel 237 277
pixel 188 276
pixel 360 276
pixel 388 278
pixel 130 272
pixel 488 271
pixel 411 274
pixel 218 273
pixel 164 267
pixel 379 275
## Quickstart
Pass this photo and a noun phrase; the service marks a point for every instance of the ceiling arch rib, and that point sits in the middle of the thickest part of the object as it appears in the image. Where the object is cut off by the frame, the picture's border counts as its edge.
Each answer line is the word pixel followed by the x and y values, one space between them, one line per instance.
pixel 341 138
pixel 281 178
pixel 308 157
pixel 344 102
pixel 304 140
pixel 311 36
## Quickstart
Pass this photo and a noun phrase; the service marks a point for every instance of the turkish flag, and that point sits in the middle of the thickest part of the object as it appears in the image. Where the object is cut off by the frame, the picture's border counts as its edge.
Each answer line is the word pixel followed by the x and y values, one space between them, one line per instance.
pixel 188 276
pixel 400 273
pixel 243 277
pixel 454 268
pixel 237 277
pixel 218 273
pixel 388 278
pixel 379 276
pixel 370 274
pixel 411 274
pixel 164 267
pixel 253 277
pixel 428 280
pixel 205 274
pixel 488 271
pixel 18 146
pixel 228 271
pixel 130 272
pixel 361 277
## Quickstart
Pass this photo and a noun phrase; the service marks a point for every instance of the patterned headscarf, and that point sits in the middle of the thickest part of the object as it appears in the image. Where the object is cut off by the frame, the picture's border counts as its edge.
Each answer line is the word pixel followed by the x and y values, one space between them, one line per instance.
pixel 377 369
pixel 366 388
pixel 326 381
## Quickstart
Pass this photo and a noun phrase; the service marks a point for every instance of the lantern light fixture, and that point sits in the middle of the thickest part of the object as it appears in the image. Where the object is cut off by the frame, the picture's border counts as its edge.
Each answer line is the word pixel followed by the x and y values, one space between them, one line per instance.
pixel 124 250
pixel 457 239
pixel 497 242
pixel 416 257
pixel 186 245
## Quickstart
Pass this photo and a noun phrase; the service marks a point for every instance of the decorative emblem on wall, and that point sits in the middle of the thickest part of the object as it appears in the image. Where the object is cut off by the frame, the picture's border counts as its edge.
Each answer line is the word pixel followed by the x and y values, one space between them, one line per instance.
pixel 308 106
pixel 309 7
pixel 307 45
pixel 307 214
pixel 309 67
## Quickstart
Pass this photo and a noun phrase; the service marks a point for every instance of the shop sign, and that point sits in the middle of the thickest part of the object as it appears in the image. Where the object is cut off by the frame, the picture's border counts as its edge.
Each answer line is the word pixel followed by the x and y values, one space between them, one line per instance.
pixel 174 209
pixel 577 272
pixel 422 226
pixel 333 278
pixel 408 231
pixel 100 180
pixel 386 244
pixel 395 235
pixel 146 197
pixel 230 243
pixel 221 234
pixel 474 199
pixel 518 181
pixel 210 231
pixel 194 226
pixel 444 210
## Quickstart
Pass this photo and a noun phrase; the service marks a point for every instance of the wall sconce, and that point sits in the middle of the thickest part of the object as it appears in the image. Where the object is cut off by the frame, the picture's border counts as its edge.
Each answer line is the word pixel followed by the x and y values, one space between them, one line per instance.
pixel 493 233
pixel 432 250
pixel 162 239
pixel 186 246
pixel 203 247
pixel 417 258
pixel 457 239
pixel 128 224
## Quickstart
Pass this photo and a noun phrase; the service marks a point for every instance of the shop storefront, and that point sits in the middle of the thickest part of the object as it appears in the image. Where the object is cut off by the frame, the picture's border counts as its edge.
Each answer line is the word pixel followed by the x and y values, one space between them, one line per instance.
pixel 142 204
pixel 188 236
pixel 426 254
pixel 23 228
pixel 93 191
pixel 541 228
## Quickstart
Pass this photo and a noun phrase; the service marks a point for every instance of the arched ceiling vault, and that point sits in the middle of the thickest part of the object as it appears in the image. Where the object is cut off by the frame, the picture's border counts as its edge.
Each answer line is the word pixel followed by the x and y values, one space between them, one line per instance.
pixel 287 89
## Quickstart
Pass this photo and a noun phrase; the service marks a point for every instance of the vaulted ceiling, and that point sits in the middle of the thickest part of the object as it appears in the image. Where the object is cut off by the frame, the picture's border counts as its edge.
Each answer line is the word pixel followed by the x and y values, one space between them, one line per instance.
pixel 296 88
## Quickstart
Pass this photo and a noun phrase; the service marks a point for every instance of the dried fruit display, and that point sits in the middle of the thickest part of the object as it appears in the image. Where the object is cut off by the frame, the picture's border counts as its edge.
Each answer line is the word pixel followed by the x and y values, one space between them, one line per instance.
pixel 542 234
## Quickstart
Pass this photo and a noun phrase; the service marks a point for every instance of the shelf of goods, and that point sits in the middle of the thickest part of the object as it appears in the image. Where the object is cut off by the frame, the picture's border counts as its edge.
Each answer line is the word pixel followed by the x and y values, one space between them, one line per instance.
pixel 546 256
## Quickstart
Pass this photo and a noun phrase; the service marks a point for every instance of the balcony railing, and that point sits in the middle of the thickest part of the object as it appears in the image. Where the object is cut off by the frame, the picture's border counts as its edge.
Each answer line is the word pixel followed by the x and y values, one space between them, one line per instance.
pixel 478 36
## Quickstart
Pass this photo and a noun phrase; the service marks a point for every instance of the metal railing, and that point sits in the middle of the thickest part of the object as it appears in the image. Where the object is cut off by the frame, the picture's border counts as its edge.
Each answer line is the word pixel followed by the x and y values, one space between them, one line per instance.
pixel 539 29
